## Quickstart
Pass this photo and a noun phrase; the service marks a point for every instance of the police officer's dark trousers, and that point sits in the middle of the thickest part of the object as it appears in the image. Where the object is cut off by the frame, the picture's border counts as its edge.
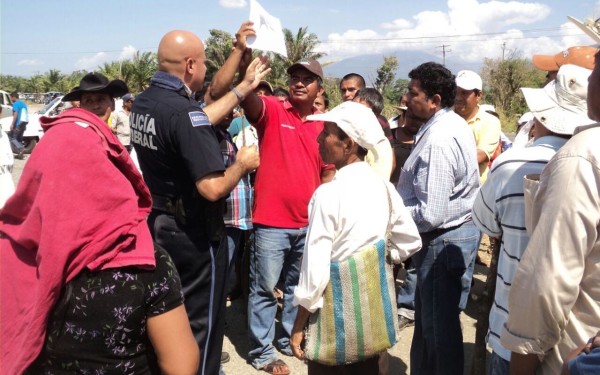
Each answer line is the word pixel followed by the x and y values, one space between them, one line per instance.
pixel 202 267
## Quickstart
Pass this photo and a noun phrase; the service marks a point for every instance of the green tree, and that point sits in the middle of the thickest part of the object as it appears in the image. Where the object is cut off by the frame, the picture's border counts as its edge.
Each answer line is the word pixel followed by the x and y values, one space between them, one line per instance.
pixel 503 79
pixel 299 46
pixel 218 47
pixel 112 70
pixel 52 79
pixel 386 74
pixel 138 72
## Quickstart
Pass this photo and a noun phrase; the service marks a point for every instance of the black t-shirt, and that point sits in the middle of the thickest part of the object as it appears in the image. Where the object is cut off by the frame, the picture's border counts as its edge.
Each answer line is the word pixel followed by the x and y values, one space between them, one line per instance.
pixel 175 142
pixel 99 324
pixel 401 153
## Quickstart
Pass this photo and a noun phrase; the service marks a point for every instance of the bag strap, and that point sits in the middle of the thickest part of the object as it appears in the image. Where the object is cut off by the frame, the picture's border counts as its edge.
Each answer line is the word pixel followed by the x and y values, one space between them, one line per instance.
pixel 388 232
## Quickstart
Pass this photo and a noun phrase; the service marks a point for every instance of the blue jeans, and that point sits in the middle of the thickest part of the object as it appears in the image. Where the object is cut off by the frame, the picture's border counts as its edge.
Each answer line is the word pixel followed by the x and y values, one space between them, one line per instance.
pixel 233 240
pixel 16 137
pixel 406 293
pixel 437 345
pixel 467 277
pixel 585 364
pixel 274 252
pixel 498 365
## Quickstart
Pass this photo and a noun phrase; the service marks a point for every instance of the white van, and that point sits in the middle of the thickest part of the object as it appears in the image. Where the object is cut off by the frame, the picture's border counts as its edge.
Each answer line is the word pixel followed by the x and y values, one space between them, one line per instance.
pixel 5 104
pixel 33 132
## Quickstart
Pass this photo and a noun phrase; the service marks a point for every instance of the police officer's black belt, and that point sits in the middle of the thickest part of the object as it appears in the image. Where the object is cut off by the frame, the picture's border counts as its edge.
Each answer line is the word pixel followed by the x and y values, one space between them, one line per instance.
pixel 164 204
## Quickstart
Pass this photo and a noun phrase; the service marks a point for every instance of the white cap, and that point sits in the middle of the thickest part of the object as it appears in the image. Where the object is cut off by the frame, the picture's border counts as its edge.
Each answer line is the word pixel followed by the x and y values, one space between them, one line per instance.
pixel 469 80
pixel 356 120
pixel 561 105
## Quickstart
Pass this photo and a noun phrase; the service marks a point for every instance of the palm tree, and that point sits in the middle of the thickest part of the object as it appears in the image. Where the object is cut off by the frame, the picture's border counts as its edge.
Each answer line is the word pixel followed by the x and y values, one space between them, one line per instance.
pixel 300 46
pixel 138 72
pixel 218 47
pixel 51 79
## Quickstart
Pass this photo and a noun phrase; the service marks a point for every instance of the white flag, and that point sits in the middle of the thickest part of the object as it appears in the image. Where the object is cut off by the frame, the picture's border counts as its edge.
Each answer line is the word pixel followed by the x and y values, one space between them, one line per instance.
pixel 269 35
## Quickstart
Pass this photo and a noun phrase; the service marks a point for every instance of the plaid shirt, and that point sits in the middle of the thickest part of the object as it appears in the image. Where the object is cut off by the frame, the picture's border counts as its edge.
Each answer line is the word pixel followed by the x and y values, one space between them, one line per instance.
pixel 239 201
pixel 440 178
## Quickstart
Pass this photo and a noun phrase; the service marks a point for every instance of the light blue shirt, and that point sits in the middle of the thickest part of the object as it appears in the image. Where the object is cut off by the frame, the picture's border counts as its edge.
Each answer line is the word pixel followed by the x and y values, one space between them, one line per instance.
pixel 22 114
pixel 440 178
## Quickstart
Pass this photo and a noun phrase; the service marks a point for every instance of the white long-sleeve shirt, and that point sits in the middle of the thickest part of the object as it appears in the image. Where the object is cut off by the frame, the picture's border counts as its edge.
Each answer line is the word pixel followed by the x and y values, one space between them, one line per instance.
pixel 345 215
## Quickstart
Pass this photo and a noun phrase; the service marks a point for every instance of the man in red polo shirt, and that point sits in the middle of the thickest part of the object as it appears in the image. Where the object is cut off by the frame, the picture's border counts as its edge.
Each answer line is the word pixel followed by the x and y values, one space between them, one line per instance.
pixel 291 169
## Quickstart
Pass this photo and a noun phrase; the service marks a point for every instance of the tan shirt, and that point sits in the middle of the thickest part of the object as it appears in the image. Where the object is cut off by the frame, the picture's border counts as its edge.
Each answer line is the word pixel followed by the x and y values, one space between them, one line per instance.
pixel 554 300
pixel 486 129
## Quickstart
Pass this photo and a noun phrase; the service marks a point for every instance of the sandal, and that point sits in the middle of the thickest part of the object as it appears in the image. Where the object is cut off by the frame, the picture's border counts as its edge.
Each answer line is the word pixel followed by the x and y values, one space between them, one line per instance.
pixel 277 367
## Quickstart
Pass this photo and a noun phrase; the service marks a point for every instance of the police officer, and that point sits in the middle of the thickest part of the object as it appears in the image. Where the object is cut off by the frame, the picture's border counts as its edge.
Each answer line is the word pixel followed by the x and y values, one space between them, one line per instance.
pixel 182 164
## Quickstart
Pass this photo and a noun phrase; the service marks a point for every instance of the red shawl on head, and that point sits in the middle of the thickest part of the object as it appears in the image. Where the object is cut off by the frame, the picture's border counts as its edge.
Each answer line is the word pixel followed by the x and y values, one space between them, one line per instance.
pixel 80 203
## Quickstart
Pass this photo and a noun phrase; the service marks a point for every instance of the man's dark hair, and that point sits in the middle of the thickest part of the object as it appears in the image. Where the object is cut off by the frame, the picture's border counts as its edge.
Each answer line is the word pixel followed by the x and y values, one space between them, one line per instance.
pixel 434 79
pixel 373 97
pixel 14 94
pixel 325 99
pixel 280 91
pixel 356 76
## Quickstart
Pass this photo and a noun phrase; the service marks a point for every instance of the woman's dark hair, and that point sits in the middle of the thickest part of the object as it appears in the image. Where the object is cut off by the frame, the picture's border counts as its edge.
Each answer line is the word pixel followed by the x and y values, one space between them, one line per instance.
pixel 434 79
pixel 325 99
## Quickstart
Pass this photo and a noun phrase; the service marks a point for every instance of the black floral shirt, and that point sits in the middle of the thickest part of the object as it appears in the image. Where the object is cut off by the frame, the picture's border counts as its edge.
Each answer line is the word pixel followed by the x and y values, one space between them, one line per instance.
pixel 99 324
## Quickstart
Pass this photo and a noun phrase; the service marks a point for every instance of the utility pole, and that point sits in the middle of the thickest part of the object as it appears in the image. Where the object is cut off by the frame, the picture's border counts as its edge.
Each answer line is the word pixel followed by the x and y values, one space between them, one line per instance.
pixel 444 50
pixel 503 49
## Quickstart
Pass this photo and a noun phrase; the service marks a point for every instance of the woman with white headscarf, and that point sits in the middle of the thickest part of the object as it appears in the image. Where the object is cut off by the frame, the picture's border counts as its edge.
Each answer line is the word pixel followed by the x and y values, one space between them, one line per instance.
pixel 346 215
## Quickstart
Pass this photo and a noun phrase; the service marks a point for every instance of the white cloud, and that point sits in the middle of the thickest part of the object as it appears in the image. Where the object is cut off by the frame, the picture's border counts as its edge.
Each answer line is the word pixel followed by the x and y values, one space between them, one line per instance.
pixel 30 62
pixel 472 30
pixel 399 23
pixel 91 62
pixel 573 36
pixel 232 3
pixel 127 52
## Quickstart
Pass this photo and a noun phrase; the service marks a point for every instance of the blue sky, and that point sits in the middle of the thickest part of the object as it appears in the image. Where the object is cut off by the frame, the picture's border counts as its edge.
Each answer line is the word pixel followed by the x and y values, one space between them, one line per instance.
pixel 38 35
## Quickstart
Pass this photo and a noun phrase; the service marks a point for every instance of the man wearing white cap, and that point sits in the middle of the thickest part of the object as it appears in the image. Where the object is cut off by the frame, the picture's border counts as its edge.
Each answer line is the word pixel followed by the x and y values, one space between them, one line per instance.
pixel 486 127
pixel 499 209
pixel 554 299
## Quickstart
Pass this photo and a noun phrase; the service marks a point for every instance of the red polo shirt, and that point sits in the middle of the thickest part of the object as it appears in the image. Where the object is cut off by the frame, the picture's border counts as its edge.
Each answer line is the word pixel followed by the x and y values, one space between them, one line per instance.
pixel 290 165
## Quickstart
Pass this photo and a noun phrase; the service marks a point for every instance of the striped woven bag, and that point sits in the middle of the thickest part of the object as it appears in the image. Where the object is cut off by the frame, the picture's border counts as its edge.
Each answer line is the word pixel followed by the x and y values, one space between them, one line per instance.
pixel 358 319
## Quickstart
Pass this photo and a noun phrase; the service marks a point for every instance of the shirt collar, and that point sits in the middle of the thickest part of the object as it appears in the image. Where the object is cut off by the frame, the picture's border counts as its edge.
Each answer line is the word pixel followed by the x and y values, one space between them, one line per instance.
pixel 579 129
pixel 169 82
pixel 430 123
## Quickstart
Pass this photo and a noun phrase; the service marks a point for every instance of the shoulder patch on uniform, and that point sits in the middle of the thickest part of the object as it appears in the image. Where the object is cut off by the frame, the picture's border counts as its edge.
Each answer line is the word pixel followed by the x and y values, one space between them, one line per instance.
pixel 82 124
pixel 199 118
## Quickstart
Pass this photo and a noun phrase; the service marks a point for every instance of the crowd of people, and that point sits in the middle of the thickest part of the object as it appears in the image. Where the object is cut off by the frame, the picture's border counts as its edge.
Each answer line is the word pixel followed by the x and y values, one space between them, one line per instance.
pixel 124 263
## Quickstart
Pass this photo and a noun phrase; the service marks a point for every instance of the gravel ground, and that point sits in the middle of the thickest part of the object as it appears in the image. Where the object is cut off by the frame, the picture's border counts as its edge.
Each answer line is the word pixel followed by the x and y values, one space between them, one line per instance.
pixel 236 341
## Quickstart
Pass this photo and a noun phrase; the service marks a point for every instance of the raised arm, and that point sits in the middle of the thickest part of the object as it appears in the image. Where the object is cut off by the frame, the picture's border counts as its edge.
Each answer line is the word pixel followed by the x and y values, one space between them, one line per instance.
pixel 222 81
pixel 256 71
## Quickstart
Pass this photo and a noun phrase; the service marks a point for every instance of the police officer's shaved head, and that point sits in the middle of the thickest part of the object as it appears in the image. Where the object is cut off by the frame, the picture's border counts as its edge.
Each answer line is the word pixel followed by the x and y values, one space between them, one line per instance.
pixel 181 53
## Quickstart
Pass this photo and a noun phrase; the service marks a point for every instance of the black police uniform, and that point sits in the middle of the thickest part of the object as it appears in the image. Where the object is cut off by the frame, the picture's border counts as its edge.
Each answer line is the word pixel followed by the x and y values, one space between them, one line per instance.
pixel 177 146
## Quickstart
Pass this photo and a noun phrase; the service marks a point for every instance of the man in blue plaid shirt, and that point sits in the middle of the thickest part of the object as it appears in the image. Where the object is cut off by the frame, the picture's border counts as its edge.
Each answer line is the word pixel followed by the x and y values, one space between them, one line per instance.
pixel 438 184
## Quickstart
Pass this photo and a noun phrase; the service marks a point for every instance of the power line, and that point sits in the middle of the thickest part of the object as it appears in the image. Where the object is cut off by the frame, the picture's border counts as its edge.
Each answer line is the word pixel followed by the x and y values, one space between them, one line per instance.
pixel 418 40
